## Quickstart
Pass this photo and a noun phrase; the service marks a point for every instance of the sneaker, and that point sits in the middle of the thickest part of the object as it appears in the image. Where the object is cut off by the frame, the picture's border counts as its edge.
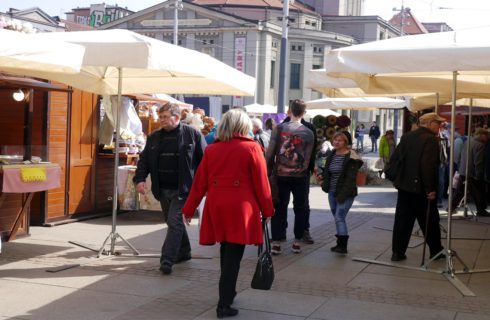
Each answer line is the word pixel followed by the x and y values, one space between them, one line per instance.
pixel 296 248
pixel 307 237
pixel 276 248
pixel 166 268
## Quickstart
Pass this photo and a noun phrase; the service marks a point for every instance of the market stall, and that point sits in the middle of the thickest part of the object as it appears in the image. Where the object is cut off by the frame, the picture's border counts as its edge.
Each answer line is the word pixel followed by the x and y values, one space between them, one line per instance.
pixel 23 179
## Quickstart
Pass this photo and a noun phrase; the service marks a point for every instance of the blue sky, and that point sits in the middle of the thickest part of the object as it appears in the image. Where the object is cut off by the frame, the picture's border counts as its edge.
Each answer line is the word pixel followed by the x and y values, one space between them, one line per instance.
pixel 457 13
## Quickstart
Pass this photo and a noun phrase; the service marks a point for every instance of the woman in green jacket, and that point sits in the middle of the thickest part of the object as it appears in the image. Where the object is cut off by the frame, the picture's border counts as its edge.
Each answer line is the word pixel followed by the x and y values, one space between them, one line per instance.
pixel 387 146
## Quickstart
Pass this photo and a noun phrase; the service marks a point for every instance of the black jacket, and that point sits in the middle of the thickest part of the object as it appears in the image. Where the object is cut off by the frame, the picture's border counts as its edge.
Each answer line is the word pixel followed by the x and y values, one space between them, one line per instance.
pixel 418 172
pixel 191 149
pixel 346 185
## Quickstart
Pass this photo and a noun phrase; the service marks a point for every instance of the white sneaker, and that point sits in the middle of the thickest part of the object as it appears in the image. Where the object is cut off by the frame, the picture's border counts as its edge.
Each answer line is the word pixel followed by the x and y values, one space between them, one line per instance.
pixel 296 248
pixel 276 248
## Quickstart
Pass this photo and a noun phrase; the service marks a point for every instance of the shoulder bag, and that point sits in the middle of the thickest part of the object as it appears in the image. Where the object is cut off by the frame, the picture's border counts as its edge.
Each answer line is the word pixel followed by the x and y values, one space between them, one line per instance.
pixel 264 271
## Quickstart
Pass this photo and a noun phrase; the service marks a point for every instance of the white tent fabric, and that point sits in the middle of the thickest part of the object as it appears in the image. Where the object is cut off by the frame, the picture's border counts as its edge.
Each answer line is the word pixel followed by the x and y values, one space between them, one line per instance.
pixel 150 66
pixel 310 113
pixel 124 62
pixel 171 99
pixel 361 103
pixel 262 108
pixel 20 53
pixel 463 50
pixel 454 54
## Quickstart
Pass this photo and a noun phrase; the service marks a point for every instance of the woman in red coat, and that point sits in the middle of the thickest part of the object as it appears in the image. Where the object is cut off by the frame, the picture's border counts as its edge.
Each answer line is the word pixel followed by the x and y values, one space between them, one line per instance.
pixel 233 177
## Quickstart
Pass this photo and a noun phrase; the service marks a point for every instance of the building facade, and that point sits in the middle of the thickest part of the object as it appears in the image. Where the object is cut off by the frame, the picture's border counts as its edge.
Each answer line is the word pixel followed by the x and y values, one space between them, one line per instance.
pixel 248 32
pixel 97 14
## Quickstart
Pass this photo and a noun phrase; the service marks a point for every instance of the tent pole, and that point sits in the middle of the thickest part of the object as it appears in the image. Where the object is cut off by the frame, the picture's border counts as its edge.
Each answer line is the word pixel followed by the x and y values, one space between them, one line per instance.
pixel 114 235
pixel 468 146
pixel 436 109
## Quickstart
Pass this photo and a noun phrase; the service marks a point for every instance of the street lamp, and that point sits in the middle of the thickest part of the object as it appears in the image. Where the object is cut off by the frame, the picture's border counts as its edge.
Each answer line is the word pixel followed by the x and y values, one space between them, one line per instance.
pixel 402 25
pixel 177 6
pixel 283 54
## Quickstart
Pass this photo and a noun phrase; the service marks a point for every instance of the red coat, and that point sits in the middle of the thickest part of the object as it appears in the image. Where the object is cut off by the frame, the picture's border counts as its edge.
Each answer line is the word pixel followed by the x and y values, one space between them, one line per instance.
pixel 233 176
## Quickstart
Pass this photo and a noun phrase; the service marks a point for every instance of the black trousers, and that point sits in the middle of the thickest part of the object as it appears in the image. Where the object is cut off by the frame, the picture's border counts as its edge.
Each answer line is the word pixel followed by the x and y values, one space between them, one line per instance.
pixel 477 190
pixel 230 257
pixel 411 206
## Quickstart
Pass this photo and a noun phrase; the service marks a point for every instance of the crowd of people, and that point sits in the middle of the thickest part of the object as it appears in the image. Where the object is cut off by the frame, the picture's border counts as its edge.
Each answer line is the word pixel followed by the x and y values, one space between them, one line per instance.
pixel 247 173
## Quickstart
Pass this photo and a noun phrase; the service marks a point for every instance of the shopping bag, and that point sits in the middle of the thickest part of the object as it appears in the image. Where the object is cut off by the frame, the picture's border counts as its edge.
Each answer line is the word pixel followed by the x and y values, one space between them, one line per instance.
pixel 264 271
pixel 379 164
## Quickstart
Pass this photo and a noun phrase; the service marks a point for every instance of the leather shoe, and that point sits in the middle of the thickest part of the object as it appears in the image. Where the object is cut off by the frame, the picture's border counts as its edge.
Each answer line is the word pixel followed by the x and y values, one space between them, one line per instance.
pixel 223 312
pixel 166 268
pixel 439 257
pixel 483 213
pixel 398 256
pixel 184 258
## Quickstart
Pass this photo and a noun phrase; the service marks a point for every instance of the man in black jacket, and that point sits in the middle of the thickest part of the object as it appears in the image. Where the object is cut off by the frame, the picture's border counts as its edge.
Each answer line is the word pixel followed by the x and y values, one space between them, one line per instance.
pixel 374 134
pixel 417 181
pixel 171 157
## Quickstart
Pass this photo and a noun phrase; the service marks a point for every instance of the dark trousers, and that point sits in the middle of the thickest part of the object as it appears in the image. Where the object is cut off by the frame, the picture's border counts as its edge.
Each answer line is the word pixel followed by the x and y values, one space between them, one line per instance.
pixel 176 244
pixel 279 223
pixel 477 190
pixel 458 192
pixel 230 256
pixel 307 190
pixel 411 206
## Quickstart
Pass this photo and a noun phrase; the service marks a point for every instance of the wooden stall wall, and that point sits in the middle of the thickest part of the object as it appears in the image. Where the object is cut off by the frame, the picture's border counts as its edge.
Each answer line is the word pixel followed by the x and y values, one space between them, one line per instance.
pixel 57 132
pixel 83 142
pixel 11 131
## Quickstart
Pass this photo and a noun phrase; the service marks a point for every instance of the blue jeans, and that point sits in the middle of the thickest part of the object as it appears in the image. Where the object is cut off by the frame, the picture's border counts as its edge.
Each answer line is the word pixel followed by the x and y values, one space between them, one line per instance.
pixel 360 143
pixel 176 244
pixel 374 144
pixel 339 211
pixel 279 223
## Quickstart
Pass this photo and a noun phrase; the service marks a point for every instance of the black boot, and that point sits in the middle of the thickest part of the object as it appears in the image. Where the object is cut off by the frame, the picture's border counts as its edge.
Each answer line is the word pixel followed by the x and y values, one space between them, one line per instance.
pixel 224 312
pixel 334 249
pixel 341 244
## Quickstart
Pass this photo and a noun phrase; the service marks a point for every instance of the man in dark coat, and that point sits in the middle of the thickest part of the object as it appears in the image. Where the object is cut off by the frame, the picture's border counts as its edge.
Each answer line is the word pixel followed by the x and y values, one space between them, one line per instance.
pixel 374 134
pixel 171 157
pixel 417 181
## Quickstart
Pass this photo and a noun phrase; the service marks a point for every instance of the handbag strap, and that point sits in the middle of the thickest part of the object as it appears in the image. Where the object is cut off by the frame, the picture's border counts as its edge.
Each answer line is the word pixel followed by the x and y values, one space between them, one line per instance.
pixel 266 239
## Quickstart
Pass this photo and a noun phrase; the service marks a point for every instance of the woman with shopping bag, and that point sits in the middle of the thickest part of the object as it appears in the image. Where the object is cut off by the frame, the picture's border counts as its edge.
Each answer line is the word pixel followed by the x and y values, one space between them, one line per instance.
pixel 233 177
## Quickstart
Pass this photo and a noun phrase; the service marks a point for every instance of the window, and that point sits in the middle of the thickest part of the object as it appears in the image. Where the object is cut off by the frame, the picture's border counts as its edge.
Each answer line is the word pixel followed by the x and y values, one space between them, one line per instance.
pixel 273 73
pixel 300 48
pixel 208 51
pixel 316 66
pixel 315 49
pixel 293 47
pixel 295 76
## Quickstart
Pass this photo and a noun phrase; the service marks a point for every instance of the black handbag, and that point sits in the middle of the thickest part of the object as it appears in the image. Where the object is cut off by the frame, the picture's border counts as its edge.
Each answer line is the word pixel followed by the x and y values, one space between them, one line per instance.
pixel 264 271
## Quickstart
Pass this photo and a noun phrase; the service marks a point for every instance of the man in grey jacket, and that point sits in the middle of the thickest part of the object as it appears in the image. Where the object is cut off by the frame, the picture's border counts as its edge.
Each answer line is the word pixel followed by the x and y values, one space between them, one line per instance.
pixel 476 169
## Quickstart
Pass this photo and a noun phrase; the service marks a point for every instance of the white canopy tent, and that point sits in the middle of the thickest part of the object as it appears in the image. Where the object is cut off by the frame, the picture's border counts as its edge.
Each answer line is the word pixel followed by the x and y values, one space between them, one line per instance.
pixel 20 53
pixel 361 103
pixel 118 62
pixel 258 108
pixel 446 55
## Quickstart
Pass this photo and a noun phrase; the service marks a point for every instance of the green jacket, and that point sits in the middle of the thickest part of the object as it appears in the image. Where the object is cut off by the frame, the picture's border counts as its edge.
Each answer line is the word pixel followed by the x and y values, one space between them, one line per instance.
pixel 346 185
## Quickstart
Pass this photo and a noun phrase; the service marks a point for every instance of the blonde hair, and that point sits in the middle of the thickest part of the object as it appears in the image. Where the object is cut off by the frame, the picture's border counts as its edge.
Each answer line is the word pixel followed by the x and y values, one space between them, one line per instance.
pixel 234 122
pixel 343 136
